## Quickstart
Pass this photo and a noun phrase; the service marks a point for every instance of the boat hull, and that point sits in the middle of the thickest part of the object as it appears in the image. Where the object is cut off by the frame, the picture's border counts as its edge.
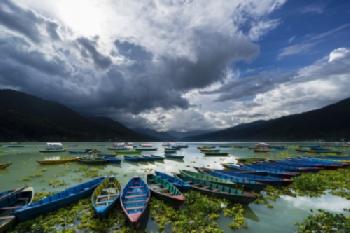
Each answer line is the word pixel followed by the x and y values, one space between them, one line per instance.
pixel 4 165
pixel 6 222
pixel 54 162
pixel 51 151
pixel 41 207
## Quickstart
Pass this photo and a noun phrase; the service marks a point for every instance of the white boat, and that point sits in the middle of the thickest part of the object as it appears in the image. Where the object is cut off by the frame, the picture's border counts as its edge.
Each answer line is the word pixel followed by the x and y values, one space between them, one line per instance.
pixel 53 147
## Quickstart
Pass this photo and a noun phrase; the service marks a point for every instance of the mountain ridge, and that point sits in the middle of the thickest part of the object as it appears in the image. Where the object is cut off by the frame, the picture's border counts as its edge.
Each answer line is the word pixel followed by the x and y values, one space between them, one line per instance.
pixel 328 123
pixel 27 117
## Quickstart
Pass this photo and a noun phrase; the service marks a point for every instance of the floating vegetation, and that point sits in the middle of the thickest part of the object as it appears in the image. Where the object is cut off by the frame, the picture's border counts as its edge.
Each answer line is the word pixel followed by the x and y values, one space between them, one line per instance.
pixel 199 214
pixel 316 184
pixel 75 218
pixel 325 222
pixel 57 183
pixel 237 213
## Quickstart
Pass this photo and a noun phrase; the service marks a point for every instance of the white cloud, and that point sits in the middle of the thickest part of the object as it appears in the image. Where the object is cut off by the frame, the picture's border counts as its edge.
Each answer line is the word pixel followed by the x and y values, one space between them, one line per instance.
pixel 338 53
pixel 261 28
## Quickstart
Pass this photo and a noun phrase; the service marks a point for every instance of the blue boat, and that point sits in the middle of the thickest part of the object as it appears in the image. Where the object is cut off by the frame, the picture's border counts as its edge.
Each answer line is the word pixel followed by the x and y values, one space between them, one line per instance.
pixel 179 183
pixel 79 151
pixel 57 200
pixel 14 199
pixel 143 158
pixel 286 166
pixel 134 200
pixel 271 180
pixel 248 184
pixel 111 158
pixel 306 162
pixel 261 171
pixel 105 196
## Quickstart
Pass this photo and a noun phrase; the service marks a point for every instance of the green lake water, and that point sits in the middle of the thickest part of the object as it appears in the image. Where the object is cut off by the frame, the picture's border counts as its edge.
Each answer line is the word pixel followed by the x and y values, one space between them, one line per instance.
pixel 280 219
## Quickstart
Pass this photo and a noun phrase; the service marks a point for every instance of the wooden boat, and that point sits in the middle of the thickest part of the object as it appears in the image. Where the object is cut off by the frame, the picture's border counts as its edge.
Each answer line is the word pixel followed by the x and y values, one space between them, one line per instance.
pixel 14 199
pixel 57 160
pixel 6 222
pixel 134 200
pixel 140 149
pixel 205 147
pixel 271 180
pixel 111 159
pixel 105 196
pixel 221 191
pixel 177 182
pixel 126 152
pixel 164 190
pixel 174 156
pixel 261 171
pixel 209 150
pixel 261 150
pixel 246 183
pixel 79 151
pixel 57 200
pixel 93 160
pixel 250 160
pixel 202 176
pixel 282 165
pixel 4 165
pixel 143 158
pixel 216 153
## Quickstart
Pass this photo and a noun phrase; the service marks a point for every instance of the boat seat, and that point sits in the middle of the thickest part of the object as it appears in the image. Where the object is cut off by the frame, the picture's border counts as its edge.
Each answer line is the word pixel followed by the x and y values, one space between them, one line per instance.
pixel 109 190
pixel 136 201
pixel 139 186
pixel 107 195
pixel 134 207
pixel 103 202
pixel 138 195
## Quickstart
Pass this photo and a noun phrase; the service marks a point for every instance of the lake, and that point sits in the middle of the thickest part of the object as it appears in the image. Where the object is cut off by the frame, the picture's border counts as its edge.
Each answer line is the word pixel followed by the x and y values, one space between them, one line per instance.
pixel 280 219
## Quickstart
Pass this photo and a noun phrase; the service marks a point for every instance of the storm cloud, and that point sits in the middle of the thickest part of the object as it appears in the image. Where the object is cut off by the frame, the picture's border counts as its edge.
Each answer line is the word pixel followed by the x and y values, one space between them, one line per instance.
pixel 153 55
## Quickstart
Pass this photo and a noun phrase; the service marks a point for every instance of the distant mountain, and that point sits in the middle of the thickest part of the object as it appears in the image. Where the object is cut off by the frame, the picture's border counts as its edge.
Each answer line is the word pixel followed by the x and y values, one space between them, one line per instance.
pixel 330 123
pixel 170 135
pixel 26 117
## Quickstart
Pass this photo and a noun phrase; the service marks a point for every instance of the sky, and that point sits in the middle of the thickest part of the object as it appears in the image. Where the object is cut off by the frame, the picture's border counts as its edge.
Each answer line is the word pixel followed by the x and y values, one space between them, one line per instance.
pixel 178 64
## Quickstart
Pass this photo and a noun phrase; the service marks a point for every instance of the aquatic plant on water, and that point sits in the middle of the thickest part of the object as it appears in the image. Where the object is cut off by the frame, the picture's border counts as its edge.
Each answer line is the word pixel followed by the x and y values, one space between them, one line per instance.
pixel 325 222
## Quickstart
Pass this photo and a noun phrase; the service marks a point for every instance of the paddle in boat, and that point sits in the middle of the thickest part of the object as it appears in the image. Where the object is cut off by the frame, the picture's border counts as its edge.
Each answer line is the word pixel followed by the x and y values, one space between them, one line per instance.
pixel 177 182
pixel 105 196
pixel 164 190
pixel 221 191
pixel 57 200
pixel 57 160
pixel 4 165
pixel 134 200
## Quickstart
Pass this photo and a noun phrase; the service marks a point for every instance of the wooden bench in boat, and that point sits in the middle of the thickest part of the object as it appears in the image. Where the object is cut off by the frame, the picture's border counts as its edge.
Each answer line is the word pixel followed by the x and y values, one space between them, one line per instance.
pixel 134 207
pixel 134 196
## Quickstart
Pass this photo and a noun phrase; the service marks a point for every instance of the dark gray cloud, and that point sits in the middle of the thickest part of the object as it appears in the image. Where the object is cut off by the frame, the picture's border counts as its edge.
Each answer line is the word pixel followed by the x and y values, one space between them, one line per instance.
pixel 89 49
pixel 248 87
pixel 20 20
pixel 132 51
pixel 51 29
